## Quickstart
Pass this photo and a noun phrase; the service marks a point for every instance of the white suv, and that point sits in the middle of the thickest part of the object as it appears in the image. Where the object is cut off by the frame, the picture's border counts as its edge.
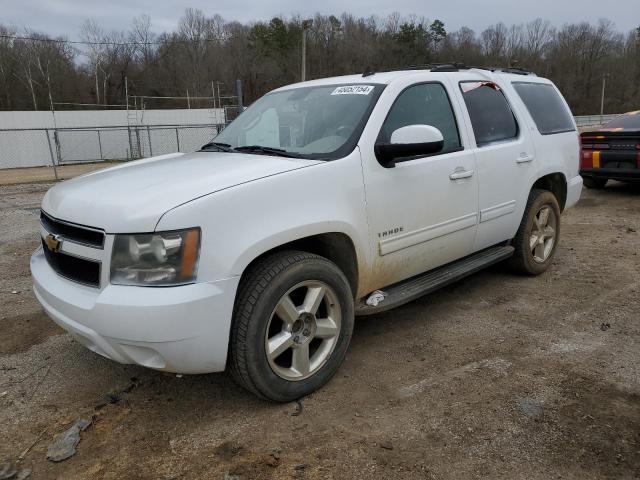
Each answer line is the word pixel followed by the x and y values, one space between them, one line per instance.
pixel 324 200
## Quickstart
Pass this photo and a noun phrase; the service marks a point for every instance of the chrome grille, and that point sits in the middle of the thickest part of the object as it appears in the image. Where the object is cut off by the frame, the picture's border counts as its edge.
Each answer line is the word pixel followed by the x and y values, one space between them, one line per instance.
pixel 74 268
pixel 89 236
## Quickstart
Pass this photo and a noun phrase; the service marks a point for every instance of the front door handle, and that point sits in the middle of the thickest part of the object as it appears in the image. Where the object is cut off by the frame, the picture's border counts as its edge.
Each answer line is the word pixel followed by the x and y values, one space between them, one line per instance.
pixel 459 174
pixel 524 158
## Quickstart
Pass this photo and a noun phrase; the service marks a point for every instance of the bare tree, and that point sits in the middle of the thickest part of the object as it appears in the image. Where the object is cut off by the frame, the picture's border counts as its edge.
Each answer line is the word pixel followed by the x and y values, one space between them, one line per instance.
pixel 266 54
pixel 494 43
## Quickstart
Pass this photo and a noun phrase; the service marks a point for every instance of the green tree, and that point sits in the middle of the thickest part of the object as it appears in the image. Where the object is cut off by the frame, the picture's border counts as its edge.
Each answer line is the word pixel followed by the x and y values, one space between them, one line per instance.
pixel 437 32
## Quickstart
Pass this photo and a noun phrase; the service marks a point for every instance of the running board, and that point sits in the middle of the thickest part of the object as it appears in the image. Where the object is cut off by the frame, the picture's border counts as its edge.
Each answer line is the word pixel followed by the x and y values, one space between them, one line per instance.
pixel 408 290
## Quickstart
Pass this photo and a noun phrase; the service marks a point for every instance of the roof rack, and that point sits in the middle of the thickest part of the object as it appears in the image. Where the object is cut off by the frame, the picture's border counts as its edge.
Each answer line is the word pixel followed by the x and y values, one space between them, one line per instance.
pixel 434 67
pixel 368 72
pixel 514 70
pixel 450 67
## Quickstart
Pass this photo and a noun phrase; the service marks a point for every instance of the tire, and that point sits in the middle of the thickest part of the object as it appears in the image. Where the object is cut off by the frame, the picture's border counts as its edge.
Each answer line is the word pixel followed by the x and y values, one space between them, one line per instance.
pixel 263 319
pixel 532 257
pixel 597 183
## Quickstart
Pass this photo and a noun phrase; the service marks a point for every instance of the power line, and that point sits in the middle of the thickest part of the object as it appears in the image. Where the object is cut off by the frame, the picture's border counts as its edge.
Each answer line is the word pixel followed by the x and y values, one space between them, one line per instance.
pixel 173 98
pixel 89 104
pixel 121 44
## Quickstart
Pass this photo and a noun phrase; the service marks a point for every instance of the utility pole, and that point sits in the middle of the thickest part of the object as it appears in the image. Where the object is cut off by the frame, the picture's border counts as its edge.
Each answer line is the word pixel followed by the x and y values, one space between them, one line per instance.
pixel 97 87
pixel 239 96
pixel 305 26
pixel 604 82
pixel 55 130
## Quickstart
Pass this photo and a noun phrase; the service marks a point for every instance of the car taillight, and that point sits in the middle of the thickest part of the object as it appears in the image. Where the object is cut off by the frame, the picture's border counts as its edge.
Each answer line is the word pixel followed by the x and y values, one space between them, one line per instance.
pixel 590 152
pixel 585 154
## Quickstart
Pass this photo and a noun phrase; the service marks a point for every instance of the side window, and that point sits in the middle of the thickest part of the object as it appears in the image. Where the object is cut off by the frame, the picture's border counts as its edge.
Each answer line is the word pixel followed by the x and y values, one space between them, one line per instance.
pixel 546 107
pixel 423 104
pixel 491 116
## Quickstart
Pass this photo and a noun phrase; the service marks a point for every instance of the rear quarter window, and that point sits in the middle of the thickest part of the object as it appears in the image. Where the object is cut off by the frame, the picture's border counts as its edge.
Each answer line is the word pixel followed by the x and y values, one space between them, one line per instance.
pixel 546 107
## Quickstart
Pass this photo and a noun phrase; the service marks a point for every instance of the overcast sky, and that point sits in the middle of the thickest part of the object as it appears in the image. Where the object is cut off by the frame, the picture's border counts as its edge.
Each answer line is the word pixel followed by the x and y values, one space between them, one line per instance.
pixel 64 17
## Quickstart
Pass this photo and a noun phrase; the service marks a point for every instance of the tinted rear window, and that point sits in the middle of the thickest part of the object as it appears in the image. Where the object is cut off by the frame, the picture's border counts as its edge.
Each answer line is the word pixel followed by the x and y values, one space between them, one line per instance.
pixel 628 121
pixel 491 116
pixel 546 107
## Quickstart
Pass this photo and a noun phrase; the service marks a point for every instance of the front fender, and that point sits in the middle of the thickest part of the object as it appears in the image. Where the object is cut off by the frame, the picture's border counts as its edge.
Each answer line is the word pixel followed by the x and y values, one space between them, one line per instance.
pixel 276 239
pixel 241 223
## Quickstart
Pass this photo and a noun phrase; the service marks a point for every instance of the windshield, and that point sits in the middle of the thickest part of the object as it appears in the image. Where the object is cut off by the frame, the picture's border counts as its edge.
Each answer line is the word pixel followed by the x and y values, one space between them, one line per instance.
pixel 321 122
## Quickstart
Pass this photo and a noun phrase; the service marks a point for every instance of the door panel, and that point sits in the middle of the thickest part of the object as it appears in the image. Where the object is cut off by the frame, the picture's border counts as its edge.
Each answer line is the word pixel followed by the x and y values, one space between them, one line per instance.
pixel 503 183
pixel 425 234
pixel 505 160
pixel 420 218
pixel 422 213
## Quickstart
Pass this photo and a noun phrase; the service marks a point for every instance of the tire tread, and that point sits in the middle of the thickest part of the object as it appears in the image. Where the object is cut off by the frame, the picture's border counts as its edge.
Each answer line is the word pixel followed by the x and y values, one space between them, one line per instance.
pixel 518 261
pixel 251 287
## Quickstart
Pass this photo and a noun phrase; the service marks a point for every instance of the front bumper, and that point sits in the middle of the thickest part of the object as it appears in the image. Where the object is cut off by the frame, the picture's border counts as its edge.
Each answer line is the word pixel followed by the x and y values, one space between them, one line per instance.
pixel 181 329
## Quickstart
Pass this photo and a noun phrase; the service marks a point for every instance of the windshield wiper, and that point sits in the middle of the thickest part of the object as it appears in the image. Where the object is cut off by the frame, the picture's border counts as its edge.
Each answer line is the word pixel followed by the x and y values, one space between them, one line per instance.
pixel 268 150
pixel 219 146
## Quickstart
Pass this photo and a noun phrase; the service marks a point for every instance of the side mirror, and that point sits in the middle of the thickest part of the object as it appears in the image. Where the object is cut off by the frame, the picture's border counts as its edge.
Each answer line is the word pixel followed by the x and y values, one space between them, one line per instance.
pixel 407 142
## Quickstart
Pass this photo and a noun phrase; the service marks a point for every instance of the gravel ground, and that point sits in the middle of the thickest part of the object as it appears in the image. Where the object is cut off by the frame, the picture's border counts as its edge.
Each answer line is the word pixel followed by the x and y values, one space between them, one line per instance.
pixel 11 176
pixel 497 376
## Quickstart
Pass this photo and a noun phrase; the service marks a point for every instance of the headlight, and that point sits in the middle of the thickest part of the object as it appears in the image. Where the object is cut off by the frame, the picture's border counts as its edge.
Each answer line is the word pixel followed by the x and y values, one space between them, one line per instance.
pixel 164 258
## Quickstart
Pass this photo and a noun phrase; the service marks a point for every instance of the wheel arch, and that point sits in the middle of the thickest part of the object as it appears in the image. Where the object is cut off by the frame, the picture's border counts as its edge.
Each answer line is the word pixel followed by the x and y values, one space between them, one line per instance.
pixel 555 183
pixel 335 246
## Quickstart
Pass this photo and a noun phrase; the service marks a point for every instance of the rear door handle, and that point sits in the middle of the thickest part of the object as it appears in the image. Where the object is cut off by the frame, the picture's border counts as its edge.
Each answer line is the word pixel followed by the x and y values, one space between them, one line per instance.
pixel 457 175
pixel 524 158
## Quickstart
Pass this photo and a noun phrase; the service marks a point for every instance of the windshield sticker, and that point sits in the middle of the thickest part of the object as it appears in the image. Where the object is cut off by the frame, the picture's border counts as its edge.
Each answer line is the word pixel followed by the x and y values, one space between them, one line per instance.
pixel 353 90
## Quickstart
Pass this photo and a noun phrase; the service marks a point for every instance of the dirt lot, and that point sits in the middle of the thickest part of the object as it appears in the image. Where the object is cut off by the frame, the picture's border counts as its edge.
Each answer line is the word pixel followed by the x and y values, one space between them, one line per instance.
pixel 498 376
pixel 11 176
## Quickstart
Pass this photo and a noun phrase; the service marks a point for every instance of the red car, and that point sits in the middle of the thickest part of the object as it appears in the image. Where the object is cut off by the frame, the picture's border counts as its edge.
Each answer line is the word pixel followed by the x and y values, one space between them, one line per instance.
pixel 611 152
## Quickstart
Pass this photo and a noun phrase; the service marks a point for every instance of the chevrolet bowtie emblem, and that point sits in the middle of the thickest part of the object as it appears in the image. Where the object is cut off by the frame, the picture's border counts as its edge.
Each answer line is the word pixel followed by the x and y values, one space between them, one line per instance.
pixel 54 242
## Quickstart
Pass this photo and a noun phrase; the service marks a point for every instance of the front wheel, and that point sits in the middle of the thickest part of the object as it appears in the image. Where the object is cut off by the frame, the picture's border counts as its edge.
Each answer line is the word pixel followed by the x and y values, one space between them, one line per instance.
pixel 538 235
pixel 292 324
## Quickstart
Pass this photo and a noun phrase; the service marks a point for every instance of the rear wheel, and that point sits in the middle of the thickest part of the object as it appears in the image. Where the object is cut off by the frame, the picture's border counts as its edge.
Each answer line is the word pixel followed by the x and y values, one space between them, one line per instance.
pixel 293 321
pixel 537 237
pixel 591 182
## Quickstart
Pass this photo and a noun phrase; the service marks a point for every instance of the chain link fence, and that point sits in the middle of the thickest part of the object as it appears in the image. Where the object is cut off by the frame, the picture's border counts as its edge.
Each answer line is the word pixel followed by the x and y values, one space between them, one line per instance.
pixel 63 146
pixel 26 147
pixel 129 143
pixel 593 120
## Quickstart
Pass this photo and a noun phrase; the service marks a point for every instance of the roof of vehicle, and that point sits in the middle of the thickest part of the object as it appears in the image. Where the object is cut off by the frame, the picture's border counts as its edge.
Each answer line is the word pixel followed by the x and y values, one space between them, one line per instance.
pixel 387 77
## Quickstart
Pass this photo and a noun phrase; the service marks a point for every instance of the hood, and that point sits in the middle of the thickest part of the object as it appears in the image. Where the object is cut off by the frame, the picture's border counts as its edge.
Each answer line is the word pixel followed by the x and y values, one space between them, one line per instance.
pixel 132 197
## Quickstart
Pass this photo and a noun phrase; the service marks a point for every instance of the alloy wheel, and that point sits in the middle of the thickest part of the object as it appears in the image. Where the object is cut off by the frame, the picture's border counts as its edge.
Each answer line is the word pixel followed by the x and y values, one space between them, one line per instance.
pixel 303 330
pixel 543 234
